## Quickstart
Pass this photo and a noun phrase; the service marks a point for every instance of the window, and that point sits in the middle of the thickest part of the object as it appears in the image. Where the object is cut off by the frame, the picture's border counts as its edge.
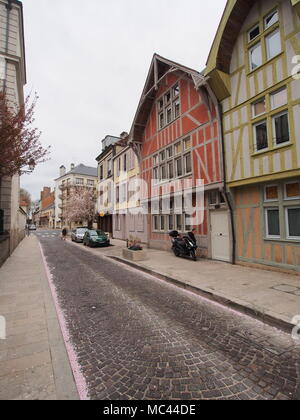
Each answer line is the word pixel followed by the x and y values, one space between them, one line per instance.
pixel 118 194
pixel 2 68
pixel 125 162
pixel 259 107
pixel 175 91
pixel 188 163
pixel 162 156
pixel 162 223
pixel 155 160
pixel 281 128
pixel 272 223
pixel 293 222
pixel 79 181
pixel 169 152
pixel 171 170
pixel 176 108
pixel 156 223
pixel 109 167
pixel 168 107
pixel 101 172
pixel 253 33
pixel 178 218
pixel 273 44
pixel 178 148
pixel 261 136
pixel 271 193
pixel 212 198
pixel 187 143
pixel 161 120
pixel 187 224
pixel 271 19
pixel 156 175
pixel 255 57
pixel 90 182
pixel 292 191
pixel 169 115
pixel 163 171
pixel 278 98
pixel 170 222
pixel 179 171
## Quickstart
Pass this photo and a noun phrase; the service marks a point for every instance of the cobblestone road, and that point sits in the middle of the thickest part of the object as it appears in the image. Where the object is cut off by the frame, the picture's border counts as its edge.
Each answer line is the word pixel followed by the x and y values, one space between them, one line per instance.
pixel 139 338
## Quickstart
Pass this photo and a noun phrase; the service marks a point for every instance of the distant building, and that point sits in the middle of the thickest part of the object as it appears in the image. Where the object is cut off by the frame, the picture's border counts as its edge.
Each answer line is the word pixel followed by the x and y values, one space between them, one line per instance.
pixel 105 189
pixel 79 176
pixel 47 209
pixel 12 79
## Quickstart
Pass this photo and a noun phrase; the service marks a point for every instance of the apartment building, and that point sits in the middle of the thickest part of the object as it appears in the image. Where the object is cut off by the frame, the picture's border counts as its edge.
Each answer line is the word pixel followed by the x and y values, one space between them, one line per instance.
pixel 80 176
pixel 12 80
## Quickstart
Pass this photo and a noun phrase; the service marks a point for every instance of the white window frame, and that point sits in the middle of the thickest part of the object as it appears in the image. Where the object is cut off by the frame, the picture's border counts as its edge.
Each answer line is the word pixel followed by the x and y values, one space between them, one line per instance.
pixel 267 45
pixel 274 93
pixel 252 29
pixel 274 200
pixel 255 136
pixel 286 198
pixel 293 238
pixel 153 221
pixel 268 236
pixel 274 138
pixel 185 168
pixel 253 109
pixel 250 59
pixel 266 17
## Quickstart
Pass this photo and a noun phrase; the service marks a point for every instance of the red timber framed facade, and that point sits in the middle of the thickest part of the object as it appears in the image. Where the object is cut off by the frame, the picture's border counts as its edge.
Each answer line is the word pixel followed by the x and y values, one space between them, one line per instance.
pixel 176 135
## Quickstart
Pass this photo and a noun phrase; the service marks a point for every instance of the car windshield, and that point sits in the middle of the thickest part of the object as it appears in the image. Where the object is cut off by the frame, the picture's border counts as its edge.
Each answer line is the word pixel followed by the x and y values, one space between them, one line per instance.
pixel 81 231
pixel 97 233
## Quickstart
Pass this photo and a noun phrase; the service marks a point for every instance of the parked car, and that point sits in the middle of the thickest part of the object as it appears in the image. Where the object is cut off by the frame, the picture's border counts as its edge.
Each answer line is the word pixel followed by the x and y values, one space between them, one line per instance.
pixel 77 234
pixel 96 238
pixel 32 227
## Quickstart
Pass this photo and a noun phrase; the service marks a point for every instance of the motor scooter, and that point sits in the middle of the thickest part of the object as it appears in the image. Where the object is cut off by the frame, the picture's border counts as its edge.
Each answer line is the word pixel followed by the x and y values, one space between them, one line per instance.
pixel 183 246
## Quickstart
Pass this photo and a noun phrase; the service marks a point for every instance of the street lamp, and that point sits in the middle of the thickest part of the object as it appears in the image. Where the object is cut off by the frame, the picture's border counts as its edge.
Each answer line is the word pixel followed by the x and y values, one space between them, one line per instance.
pixel 31 165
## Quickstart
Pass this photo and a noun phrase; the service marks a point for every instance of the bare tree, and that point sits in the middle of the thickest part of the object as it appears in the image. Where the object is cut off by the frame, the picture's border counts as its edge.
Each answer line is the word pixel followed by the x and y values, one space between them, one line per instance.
pixel 20 144
pixel 81 206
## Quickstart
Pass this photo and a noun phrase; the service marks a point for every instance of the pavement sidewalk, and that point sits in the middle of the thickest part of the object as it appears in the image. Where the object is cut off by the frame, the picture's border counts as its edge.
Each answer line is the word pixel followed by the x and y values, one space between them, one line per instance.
pixel 34 364
pixel 273 297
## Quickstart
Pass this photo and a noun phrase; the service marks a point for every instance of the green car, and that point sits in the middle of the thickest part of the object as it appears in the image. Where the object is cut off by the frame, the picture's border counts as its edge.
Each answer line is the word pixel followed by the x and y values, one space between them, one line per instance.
pixel 95 238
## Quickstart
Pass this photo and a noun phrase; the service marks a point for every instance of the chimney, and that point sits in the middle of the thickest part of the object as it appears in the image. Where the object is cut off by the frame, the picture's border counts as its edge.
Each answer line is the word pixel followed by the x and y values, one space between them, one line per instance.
pixel 62 170
pixel 72 166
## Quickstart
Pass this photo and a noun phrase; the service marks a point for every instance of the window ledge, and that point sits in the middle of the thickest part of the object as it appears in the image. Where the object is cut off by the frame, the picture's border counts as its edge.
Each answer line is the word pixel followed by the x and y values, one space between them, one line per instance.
pixel 286 241
pixel 273 149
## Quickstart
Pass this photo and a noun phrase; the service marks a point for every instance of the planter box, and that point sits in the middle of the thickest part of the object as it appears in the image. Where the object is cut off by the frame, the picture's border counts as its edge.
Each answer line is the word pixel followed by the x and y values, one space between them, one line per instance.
pixel 134 255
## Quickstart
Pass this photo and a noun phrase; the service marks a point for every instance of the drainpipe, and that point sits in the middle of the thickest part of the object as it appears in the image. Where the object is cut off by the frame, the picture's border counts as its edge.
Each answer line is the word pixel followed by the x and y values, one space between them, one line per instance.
pixel 227 197
pixel 219 111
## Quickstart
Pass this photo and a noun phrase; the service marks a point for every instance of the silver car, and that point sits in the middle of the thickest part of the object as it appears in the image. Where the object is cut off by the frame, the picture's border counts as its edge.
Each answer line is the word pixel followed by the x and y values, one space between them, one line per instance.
pixel 78 234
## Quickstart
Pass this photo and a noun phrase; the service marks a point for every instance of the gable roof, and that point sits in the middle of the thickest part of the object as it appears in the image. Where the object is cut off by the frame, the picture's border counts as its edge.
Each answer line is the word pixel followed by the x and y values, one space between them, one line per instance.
pixel 81 170
pixel 159 68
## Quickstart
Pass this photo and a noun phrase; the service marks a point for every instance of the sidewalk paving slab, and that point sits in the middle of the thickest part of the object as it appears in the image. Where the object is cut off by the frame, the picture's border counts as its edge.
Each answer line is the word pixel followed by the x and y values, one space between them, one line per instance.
pixel 34 364
pixel 273 297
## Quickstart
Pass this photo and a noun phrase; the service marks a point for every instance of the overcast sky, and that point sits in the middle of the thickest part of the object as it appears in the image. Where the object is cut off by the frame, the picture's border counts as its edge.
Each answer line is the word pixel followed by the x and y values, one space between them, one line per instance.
pixel 88 61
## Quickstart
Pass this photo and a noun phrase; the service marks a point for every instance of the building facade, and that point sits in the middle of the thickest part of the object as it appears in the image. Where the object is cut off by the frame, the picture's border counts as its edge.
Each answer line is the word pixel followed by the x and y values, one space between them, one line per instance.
pixel 105 185
pixel 12 80
pixel 176 137
pixel 80 176
pixel 47 209
pixel 252 70
pixel 129 220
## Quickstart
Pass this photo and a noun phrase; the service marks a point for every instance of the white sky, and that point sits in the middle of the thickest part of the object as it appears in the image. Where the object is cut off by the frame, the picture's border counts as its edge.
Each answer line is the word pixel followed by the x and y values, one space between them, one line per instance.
pixel 88 61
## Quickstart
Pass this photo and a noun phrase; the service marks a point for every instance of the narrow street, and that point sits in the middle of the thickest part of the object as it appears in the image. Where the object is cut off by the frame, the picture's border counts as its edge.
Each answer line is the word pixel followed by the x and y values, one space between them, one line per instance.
pixel 137 337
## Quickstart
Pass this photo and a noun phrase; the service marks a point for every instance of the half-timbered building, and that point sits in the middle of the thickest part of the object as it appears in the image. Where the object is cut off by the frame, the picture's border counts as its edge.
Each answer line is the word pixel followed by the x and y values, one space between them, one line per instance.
pixel 176 136
pixel 252 68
